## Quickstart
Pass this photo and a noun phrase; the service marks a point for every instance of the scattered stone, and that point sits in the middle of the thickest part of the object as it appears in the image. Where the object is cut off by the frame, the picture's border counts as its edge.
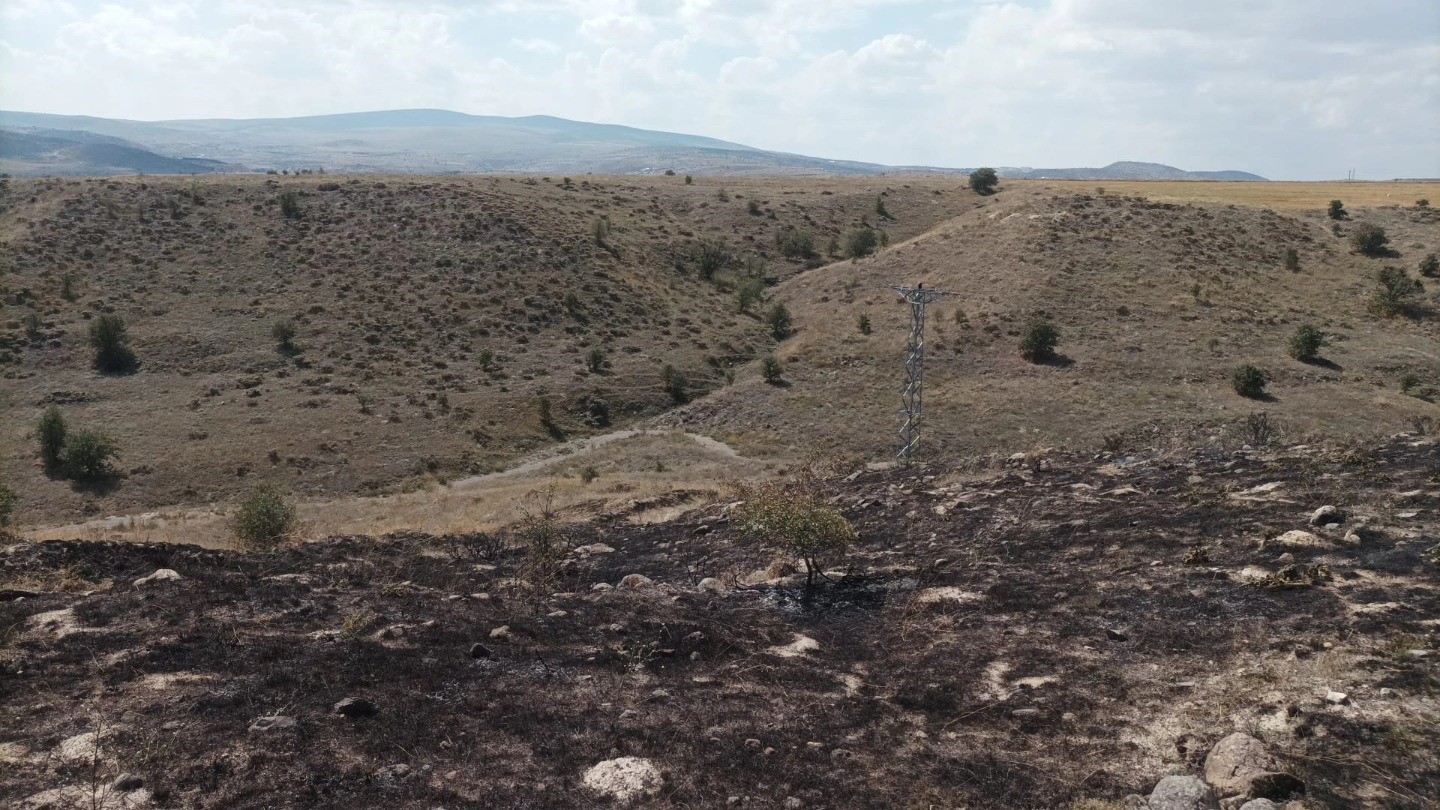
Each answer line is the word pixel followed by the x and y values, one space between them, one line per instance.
pixel 1025 712
pixel 1115 635
pixel 635 581
pixel 353 707
pixel 478 650
pixel 1182 793
pixel 793 803
pixel 1259 804
pixel 502 633
pixel 127 782
pixel 624 779
pixel 594 548
pixel 602 586
pixel 711 584
pixel 1295 538
pixel 800 646
pixel 277 722
pixel 81 749
pixel 1240 764
pixel 1326 515
pixel 1336 698
pixel 392 773
pixel 160 575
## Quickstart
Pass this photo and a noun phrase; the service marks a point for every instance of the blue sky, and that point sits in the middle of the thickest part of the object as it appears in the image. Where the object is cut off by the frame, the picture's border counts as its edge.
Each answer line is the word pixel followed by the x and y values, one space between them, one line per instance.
pixel 1291 89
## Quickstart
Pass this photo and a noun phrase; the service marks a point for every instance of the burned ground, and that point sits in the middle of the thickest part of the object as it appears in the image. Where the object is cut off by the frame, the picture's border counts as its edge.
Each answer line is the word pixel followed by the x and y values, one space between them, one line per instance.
pixel 1021 633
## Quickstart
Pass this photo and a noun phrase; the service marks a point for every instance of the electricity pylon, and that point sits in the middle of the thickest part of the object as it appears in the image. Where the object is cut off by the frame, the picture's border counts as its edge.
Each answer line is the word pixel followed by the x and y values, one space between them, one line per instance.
pixel 911 393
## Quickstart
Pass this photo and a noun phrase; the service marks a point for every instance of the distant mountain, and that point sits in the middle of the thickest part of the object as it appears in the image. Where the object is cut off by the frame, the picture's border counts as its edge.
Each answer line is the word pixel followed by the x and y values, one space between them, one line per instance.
pixel 1127 170
pixel 439 141
pixel 80 153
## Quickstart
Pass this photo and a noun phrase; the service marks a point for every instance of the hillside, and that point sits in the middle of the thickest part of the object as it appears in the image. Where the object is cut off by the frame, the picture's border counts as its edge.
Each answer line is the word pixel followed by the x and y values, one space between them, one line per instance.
pixel 1129 170
pixel 1051 632
pixel 1157 304
pixel 69 153
pixel 433 315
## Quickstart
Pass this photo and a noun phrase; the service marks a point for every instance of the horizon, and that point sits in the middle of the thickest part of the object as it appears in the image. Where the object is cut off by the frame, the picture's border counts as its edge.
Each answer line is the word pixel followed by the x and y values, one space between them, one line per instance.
pixel 1286 90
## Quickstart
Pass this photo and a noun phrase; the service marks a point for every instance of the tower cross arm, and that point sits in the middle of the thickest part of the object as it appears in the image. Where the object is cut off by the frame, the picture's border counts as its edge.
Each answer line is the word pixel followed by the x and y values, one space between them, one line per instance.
pixel 920 295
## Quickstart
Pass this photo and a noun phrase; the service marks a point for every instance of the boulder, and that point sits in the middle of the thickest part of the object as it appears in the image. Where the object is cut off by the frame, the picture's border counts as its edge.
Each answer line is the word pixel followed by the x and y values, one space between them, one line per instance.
pixel 1240 765
pixel 635 581
pixel 1259 804
pixel 1296 538
pixel 353 708
pixel 1182 793
pixel 1326 515
pixel 624 779
pixel 277 722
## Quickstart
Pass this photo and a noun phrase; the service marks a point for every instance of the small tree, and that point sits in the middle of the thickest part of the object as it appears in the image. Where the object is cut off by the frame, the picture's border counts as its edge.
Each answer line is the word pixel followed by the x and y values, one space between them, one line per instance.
pixel 1306 343
pixel 284 333
pixel 111 343
pixel 9 502
pixel 771 370
pixel 88 454
pixel 1369 239
pixel 1430 266
pixel 547 420
pixel 599 229
pixel 263 520
pixel 1039 341
pixel 796 244
pixel 793 518
pixel 1337 210
pixel 689 180
pixel 1396 291
pixel 50 432
pixel 1423 202
pixel 778 320
pixel 984 181
pixel 1292 260
pixel 595 360
pixel 880 210
pixel 709 256
pixel 676 385
pixel 748 293
pixel 1249 381
pixel 290 204
pixel 861 242
pixel 864 324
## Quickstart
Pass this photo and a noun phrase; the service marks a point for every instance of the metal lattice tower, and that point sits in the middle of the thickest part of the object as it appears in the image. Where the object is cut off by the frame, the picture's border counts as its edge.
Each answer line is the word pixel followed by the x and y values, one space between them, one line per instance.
pixel 911 393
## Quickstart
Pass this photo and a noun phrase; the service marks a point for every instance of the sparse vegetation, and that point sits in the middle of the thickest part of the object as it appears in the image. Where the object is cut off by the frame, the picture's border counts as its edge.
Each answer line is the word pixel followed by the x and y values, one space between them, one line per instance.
pixel 1369 239
pixel 1306 342
pixel 1259 430
pixel 51 432
pixel 263 520
pixel 1249 381
pixel 111 342
pixel 984 181
pixel 792 517
pixel 88 454
pixel 709 256
pixel 1040 338
pixel 864 324
pixel 1395 293
pixel 796 244
pixel 9 503
pixel 771 370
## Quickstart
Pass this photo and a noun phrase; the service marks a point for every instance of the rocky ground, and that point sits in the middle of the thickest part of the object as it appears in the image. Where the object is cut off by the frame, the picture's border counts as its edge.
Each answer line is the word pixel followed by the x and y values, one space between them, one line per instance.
pixel 1045 631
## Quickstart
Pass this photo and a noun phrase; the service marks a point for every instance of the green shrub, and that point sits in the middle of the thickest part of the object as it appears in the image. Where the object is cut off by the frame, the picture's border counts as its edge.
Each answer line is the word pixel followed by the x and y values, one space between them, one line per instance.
pixel 676 384
pixel 793 518
pixel 748 293
pixel 1430 266
pixel 669 172
pixel 263 520
pixel 1292 260
pixel 9 502
pixel 864 324
pixel 983 181
pixel 709 256
pixel 599 229
pixel 88 454
pixel 595 409
pixel 1337 210
pixel 284 331
pixel 1038 343
pixel 754 208
pixel 595 360
pixel 880 210
pixel 1396 292
pixel 1423 202
pixel 111 342
pixel 861 242
pixel 1249 381
pixel 778 319
pixel 547 419
pixel 1306 343
pixel 1369 239
pixel 588 474
pixel 796 244
pixel 50 432
pixel 1409 382
pixel 771 370
pixel 689 180
pixel 290 204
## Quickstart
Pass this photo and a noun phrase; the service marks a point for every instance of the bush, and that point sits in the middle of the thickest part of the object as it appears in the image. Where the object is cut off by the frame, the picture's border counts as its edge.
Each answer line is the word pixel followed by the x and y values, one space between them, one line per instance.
pixel 284 333
pixel 1306 343
pixel 864 324
pixel 599 229
pixel 595 360
pixel 1423 202
pixel 793 518
pixel 771 370
pixel 290 204
pixel 669 172
pixel 1258 431
pixel 778 320
pixel 595 410
pixel 547 420
pixel 796 244
pixel 880 210
pixel 1396 293
pixel 50 432
pixel 861 242
pixel 1039 341
pixel 1430 266
pixel 1337 210
pixel 1292 260
pixel 1369 239
pixel 676 385
pixel 88 454
pixel 111 343
pixel 264 520
pixel 984 181
pixel 689 180
pixel 748 293
pixel 1249 381
pixel 9 502
pixel 709 256
pixel 754 208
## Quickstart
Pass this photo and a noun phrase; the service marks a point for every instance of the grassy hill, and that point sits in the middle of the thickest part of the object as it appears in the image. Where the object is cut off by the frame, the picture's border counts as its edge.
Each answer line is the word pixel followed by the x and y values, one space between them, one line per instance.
pixel 432 316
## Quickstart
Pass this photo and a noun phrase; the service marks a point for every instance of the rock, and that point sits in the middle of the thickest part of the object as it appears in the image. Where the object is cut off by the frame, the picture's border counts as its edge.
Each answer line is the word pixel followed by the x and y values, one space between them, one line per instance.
pixel 711 584
pixel 1182 793
pixel 594 548
pixel 1115 635
pixel 1337 698
pixel 793 803
pixel 602 586
pixel 1134 801
pixel 277 722
pixel 1326 515
pixel 624 779
pixel 502 632
pixel 478 650
pixel 353 708
pixel 635 581
pixel 1259 804
pixel 392 773
pixel 82 749
pixel 1296 538
pixel 1240 764
pixel 160 575
pixel 127 782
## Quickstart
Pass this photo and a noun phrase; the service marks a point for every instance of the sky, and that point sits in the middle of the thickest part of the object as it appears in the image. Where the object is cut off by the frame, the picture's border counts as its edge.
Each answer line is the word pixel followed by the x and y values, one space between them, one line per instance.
pixel 1289 89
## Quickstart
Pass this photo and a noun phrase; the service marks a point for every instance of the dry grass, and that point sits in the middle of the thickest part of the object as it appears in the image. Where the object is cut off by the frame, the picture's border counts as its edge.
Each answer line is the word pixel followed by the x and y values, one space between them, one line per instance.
pixel 1278 195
